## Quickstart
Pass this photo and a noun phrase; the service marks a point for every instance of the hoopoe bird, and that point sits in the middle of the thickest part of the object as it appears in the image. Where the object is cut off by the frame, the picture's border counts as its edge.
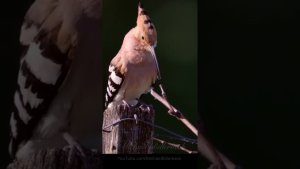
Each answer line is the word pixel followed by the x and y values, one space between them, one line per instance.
pixel 135 68
pixel 58 78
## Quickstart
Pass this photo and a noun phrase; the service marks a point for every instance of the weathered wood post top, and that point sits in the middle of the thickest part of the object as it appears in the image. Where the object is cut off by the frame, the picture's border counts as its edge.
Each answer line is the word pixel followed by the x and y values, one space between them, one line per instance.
pixel 128 130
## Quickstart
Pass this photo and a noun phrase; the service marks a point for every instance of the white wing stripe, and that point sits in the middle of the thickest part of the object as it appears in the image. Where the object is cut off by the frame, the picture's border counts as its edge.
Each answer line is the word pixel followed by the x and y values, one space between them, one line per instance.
pixel 21 110
pixel 106 97
pixel 111 88
pixel 27 34
pixel 13 125
pixel 43 68
pixel 108 92
pixel 116 79
pixel 28 96
pixel 111 68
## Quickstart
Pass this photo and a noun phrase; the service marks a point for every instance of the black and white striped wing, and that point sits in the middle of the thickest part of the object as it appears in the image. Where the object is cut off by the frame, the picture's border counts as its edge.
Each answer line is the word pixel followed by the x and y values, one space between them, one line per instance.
pixel 43 68
pixel 115 80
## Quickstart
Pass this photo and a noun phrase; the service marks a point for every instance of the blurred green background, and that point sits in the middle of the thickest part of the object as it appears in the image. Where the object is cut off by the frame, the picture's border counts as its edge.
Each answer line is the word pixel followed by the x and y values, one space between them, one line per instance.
pixel 176 24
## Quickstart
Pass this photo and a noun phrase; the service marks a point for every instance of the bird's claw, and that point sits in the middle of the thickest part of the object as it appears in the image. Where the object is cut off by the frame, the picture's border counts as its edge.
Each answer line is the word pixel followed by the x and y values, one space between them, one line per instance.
pixel 125 106
pixel 144 108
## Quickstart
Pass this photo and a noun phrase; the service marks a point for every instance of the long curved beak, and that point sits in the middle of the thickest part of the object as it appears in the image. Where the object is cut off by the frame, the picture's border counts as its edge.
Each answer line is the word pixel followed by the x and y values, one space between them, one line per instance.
pixel 152 51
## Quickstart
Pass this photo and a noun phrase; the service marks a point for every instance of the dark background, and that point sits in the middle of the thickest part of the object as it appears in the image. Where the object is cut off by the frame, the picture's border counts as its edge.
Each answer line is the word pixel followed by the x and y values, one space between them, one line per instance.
pixel 11 17
pixel 248 75
pixel 248 86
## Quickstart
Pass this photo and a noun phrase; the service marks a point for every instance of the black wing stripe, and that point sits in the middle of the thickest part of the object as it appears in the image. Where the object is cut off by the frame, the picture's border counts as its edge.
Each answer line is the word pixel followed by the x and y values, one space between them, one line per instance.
pixel 15 140
pixel 45 91
pixel 24 49
pixel 50 50
pixel 22 112
pixel 113 87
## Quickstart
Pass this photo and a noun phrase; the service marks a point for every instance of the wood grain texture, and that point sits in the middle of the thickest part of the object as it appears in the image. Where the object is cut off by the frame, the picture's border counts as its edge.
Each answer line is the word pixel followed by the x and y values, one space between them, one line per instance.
pixel 58 159
pixel 128 136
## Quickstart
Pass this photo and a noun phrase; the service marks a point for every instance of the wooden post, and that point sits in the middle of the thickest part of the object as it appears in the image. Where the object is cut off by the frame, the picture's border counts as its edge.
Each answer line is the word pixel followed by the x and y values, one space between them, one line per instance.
pixel 127 136
pixel 58 159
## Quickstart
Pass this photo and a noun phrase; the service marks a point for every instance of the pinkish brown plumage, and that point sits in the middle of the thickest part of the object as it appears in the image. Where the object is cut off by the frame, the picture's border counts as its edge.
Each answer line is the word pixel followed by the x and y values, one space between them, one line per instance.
pixel 134 69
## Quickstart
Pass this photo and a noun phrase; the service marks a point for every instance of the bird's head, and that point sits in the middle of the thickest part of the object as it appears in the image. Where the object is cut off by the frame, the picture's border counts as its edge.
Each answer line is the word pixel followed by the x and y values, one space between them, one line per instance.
pixel 146 33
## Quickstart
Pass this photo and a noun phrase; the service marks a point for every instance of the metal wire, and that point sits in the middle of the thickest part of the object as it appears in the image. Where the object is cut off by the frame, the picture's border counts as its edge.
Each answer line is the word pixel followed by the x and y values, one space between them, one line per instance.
pixel 177 136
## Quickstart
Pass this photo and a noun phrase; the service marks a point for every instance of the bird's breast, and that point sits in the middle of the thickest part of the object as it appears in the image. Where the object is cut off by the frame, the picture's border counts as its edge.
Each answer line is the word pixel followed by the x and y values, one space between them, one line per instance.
pixel 139 78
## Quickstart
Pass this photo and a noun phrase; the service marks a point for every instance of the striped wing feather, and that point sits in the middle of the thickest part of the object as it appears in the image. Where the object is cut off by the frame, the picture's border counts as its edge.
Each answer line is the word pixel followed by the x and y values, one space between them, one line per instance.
pixel 115 80
pixel 43 68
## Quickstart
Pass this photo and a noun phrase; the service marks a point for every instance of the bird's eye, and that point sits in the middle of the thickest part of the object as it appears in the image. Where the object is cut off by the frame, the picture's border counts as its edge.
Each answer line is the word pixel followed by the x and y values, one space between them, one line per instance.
pixel 143 37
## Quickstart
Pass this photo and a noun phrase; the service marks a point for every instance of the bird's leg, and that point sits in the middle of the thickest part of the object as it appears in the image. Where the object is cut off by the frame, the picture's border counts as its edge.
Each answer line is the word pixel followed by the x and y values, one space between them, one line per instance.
pixel 73 145
pixel 125 103
pixel 131 104
pixel 144 108
pixel 126 106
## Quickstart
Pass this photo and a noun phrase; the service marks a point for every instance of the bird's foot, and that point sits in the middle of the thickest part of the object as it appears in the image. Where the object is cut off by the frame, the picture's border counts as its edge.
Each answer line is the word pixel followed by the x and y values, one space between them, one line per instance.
pixel 125 106
pixel 144 108
pixel 75 150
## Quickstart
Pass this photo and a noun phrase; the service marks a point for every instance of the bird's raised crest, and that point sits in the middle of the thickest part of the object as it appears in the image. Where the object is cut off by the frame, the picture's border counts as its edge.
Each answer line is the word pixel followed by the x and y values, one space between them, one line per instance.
pixel 145 25
pixel 149 34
